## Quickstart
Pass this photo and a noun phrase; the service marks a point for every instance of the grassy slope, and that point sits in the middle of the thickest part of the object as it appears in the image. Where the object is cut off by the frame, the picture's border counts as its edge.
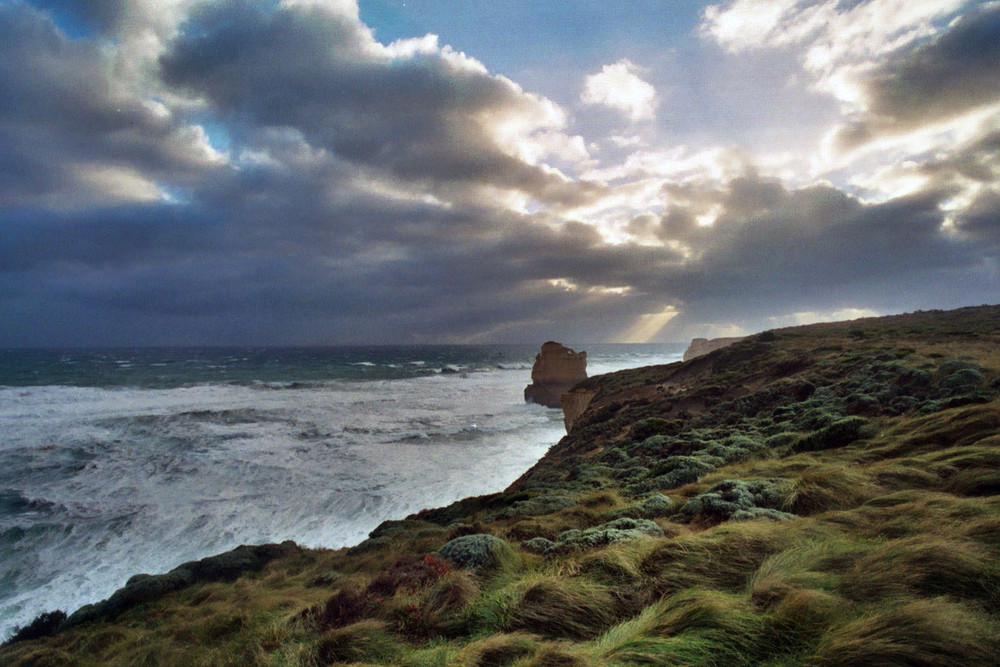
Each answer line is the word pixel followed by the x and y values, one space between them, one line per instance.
pixel 819 495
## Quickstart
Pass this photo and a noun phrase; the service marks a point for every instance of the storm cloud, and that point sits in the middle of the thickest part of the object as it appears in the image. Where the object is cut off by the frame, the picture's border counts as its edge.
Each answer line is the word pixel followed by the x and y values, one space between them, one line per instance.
pixel 272 173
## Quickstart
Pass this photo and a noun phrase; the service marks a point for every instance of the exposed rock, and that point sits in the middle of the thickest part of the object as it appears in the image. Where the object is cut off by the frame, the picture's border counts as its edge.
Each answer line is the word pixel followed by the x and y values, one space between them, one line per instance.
pixel 557 369
pixel 574 403
pixel 702 346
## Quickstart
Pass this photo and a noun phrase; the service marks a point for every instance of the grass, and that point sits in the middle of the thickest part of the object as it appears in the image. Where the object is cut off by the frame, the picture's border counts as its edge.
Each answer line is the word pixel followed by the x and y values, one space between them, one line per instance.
pixel 876 443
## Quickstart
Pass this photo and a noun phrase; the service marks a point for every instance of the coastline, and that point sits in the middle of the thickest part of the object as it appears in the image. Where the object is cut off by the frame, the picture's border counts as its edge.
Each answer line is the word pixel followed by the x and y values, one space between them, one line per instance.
pixel 690 511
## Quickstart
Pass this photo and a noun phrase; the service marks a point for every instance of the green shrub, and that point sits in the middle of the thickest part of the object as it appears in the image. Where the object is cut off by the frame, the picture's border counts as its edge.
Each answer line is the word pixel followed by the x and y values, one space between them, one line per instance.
pixel 673 472
pixel 43 625
pixel 724 499
pixel 477 551
pixel 537 506
pixel 644 428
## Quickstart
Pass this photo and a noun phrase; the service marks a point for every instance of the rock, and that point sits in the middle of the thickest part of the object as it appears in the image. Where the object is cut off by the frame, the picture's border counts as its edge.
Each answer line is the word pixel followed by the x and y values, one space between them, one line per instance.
pixel 574 404
pixel 701 346
pixel 557 369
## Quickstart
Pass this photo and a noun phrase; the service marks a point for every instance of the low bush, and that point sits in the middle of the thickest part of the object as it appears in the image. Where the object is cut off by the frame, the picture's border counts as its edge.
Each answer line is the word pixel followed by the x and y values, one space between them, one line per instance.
pixel 477 551
pixel 43 625
pixel 725 499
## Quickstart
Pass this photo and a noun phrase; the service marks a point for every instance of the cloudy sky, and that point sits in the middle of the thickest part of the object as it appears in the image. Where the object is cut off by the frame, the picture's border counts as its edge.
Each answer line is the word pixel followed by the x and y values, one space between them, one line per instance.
pixel 335 171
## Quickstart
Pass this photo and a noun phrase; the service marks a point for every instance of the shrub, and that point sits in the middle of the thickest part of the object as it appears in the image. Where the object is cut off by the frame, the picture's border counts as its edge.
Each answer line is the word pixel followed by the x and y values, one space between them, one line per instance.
pixel 675 471
pixel 540 545
pixel 537 506
pixel 43 625
pixel 652 426
pixel 477 551
pixel 344 607
pixel 612 532
pixel 724 499
pixel 964 380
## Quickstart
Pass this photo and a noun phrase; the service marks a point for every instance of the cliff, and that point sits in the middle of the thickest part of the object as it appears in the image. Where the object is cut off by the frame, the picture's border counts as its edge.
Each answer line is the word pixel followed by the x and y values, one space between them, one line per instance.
pixel 701 346
pixel 821 495
pixel 556 370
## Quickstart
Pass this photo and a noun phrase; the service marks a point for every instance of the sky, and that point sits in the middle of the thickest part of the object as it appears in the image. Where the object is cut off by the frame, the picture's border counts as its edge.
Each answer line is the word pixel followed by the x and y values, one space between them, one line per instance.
pixel 310 172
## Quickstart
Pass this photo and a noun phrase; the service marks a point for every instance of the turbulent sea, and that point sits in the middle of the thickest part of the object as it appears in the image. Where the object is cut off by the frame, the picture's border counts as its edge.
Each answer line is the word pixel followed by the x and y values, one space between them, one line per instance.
pixel 115 462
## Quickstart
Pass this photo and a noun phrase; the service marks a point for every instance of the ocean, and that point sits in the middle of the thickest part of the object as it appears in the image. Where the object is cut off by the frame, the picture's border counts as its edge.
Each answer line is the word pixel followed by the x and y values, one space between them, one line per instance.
pixel 116 462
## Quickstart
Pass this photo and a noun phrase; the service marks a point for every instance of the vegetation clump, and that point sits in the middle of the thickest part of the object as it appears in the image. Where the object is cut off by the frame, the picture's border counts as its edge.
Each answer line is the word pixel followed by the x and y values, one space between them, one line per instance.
pixel 479 550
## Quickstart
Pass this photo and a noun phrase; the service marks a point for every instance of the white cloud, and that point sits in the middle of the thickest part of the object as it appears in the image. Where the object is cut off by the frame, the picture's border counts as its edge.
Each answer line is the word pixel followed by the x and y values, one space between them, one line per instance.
pixel 813 317
pixel 619 86
pixel 843 41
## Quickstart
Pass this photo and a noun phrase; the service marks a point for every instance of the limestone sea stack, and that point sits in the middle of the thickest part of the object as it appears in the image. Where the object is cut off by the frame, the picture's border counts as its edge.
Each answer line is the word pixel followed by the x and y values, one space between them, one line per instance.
pixel 557 368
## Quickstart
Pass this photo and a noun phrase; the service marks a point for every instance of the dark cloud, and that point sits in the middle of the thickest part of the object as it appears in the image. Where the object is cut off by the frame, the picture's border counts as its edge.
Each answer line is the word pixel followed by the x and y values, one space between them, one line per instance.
pixel 363 200
pixel 67 127
pixel 957 71
pixel 427 117
pixel 980 221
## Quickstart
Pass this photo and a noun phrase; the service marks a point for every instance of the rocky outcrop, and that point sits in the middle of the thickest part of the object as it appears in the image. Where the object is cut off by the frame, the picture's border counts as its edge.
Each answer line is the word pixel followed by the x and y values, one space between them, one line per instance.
pixel 557 369
pixel 702 346
pixel 574 403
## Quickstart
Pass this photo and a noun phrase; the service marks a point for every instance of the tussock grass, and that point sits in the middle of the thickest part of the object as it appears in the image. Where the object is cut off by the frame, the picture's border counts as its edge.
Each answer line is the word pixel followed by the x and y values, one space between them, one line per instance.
pixel 697 626
pixel 828 488
pixel 930 632
pixel 367 641
pixel 724 557
pixel 815 564
pixel 497 650
pixel 927 566
pixel 566 608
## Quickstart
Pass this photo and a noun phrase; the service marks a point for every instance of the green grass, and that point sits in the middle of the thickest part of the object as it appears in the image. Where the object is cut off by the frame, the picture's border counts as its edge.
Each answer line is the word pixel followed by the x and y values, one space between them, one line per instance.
pixel 877 442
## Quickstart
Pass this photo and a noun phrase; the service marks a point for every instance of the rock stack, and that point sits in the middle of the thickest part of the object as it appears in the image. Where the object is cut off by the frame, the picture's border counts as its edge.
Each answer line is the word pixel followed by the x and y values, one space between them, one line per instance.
pixel 557 368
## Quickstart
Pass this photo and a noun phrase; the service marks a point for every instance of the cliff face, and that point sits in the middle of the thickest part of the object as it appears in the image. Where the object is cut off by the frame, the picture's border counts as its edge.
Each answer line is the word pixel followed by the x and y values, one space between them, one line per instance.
pixel 556 370
pixel 702 346
pixel 574 404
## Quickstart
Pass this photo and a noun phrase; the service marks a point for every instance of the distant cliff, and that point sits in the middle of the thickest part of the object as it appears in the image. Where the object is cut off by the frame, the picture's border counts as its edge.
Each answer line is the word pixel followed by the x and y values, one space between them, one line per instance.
pixel 702 346
pixel 557 369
